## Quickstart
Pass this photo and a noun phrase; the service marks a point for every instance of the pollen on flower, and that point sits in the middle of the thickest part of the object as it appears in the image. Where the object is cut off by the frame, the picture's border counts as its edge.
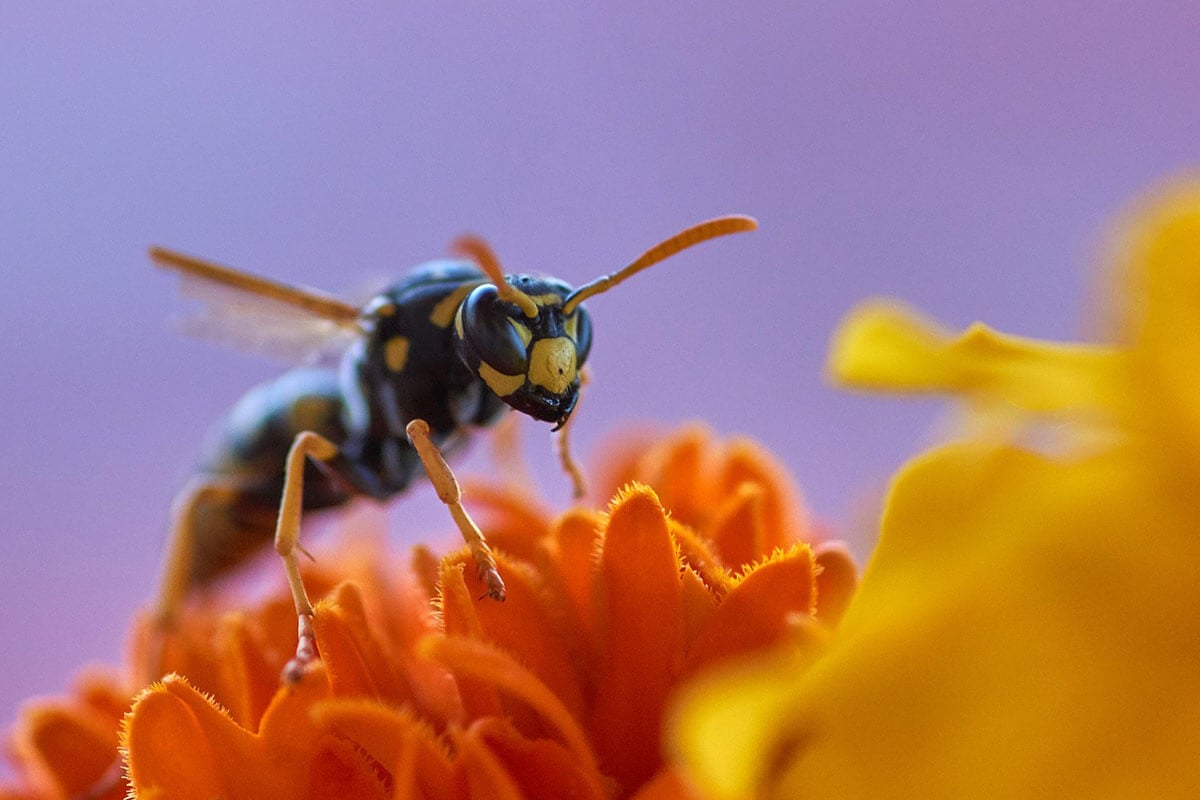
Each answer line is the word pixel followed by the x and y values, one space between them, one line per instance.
pixel 701 555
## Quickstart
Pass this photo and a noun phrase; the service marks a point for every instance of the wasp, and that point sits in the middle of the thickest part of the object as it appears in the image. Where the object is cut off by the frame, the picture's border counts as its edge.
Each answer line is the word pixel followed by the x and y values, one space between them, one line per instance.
pixel 447 349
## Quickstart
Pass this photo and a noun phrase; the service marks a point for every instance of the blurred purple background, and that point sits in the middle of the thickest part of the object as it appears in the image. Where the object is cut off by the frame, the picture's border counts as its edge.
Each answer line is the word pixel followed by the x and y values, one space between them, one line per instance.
pixel 967 161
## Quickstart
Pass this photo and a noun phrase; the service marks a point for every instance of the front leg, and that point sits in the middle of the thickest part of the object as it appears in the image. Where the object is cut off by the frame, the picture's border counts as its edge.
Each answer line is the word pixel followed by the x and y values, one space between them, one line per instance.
pixel 448 492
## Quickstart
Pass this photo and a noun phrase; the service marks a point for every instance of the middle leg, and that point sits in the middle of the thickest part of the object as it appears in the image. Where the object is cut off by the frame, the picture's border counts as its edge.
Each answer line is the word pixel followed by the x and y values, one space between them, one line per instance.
pixel 287 542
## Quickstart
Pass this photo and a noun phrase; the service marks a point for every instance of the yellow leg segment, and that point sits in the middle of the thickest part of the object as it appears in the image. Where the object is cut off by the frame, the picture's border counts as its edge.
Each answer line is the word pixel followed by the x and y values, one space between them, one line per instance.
pixel 287 543
pixel 178 567
pixel 563 442
pixel 181 550
pixel 448 492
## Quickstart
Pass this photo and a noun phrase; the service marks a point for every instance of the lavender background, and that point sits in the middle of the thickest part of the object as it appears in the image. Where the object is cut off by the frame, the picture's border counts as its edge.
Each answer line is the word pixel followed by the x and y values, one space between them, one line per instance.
pixel 966 161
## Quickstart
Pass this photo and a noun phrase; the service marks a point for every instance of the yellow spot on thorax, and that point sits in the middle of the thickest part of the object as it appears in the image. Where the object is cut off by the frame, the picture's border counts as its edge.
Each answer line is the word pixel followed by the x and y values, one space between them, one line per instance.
pixel 503 385
pixel 309 413
pixel 395 353
pixel 552 364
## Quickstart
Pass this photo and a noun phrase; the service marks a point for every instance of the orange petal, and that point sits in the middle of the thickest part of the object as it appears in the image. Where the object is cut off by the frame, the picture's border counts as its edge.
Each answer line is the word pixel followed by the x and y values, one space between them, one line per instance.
pixel 424 565
pixel 524 626
pixel 104 693
pixel 248 681
pixel 485 775
pixel 784 517
pixel 641 608
pixel 460 619
pixel 675 469
pixel 760 609
pixel 340 770
pixel 68 750
pixel 699 604
pixel 513 523
pixel 168 750
pixel 391 736
pixel 837 578
pixel 739 529
pixel 699 554
pixel 620 456
pixel 287 727
pixel 488 663
pixel 408 618
pixel 541 768
pixel 568 560
pixel 355 654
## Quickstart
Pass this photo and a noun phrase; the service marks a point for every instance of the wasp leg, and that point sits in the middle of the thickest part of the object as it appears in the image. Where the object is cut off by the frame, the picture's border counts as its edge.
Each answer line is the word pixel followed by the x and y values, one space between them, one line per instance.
pixel 180 566
pixel 448 492
pixel 563 443
pixel 287 543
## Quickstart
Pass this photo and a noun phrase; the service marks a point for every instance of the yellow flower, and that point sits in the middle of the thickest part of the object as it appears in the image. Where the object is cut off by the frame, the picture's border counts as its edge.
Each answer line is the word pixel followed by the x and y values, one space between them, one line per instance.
pixel 1029 625
pixel 424 690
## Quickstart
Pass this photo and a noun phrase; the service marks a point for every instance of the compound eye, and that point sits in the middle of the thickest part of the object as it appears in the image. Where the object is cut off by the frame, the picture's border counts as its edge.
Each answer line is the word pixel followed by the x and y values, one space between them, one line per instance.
pixel 579 328
pixel 498 338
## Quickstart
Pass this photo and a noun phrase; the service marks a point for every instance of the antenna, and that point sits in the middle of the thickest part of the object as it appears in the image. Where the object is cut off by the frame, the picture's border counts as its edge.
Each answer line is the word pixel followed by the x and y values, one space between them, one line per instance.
pixel 481 253
pixel 700 232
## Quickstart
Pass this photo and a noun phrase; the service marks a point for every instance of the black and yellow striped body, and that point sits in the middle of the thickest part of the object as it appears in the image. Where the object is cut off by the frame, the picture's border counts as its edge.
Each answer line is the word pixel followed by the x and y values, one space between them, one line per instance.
pixel 405 367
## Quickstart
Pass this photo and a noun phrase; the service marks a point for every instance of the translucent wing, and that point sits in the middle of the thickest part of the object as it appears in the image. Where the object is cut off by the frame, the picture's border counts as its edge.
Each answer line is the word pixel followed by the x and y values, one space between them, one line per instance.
pixel 291 323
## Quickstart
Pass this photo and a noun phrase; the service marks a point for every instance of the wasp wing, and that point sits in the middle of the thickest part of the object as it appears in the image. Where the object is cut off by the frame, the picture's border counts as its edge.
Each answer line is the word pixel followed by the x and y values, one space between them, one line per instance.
pixel 291 323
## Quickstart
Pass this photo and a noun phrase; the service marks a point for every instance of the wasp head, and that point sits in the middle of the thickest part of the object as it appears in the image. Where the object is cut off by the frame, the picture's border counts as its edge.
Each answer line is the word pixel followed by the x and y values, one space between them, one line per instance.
pixel 531 362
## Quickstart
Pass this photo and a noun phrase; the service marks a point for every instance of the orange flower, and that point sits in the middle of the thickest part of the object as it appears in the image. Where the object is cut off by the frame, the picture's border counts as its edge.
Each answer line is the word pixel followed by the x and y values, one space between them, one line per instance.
pixel 425 690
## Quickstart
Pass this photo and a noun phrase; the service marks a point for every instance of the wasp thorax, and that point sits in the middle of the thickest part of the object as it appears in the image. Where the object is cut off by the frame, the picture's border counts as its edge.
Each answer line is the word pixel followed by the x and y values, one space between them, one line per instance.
pixel 531 362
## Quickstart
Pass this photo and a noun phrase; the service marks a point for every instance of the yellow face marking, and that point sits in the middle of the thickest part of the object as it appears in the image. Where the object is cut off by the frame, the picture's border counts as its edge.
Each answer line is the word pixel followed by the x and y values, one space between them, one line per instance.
pixel 503 385
pixel 395 353
pixel 547 299
pixel 443 313
pixel 522 330
pixel 571 327
pixel 552 364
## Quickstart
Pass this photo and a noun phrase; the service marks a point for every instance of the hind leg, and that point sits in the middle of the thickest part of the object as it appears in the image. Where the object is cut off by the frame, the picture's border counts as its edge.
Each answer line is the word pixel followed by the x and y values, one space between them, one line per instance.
pixel 215 526
pixel 181 567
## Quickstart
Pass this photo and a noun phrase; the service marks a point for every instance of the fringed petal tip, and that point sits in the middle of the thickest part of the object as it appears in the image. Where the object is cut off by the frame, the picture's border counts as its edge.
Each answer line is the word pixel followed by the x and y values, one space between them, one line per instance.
pixel 564 685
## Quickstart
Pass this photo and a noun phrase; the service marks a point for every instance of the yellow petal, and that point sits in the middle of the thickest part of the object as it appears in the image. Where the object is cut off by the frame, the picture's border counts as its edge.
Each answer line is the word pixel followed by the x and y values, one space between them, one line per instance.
pixel 726 723
pixel 1027 627
pixel 885 346
pixel 1160 316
